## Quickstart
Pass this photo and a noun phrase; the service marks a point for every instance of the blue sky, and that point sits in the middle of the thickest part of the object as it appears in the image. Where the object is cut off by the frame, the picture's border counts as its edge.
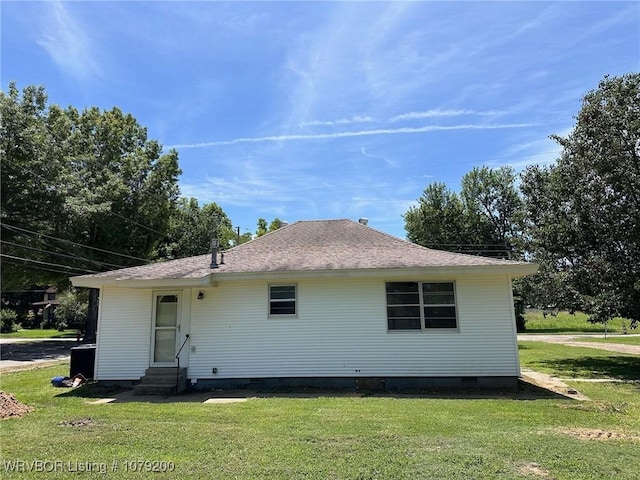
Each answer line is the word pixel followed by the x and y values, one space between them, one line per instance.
pixel 327 110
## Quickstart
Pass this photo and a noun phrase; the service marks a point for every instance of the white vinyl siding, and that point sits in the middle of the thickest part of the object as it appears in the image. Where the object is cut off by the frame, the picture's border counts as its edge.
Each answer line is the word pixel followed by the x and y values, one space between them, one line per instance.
pixel 343 332
pixel 124 333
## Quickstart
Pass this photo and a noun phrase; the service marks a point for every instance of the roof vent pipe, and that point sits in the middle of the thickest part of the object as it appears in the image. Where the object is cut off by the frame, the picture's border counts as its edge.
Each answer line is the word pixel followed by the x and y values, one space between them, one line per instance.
pixel 363 221
pixel 214 253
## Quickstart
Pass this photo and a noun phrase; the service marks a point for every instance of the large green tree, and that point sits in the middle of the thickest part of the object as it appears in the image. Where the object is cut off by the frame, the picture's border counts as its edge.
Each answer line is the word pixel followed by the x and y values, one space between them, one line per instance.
pixel 485 218
pixel 584 211
pixel 191 229
pixel 81 191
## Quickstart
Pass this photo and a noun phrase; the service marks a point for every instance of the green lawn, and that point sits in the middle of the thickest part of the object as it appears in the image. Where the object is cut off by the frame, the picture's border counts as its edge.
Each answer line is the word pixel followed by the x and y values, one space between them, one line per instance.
pixel 578 362
pixel 565 322
pixel 337 436
pixel 41 333
pixel 626 340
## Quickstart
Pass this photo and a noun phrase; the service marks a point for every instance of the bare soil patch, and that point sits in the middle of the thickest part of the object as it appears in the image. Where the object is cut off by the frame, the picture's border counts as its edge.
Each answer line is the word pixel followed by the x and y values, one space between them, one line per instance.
pixel 533 469
pixel 82 422
pixel 597 434
pixel 11 407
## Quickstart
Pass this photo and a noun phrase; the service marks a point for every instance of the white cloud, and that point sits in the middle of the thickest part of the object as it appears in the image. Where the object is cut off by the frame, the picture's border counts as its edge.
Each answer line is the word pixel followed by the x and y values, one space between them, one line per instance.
pixel 342 121
pixel 436 113
pixel 356 133
pixel 68 44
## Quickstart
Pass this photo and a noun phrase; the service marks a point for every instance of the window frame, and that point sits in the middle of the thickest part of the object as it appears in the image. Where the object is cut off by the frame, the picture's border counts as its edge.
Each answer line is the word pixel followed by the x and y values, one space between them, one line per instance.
pixel 270 300
pixel 422 305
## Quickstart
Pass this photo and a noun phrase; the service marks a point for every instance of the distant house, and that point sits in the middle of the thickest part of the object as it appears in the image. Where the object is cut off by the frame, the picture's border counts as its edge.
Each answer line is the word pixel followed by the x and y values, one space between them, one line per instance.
pixel 47 306
pixel 326 303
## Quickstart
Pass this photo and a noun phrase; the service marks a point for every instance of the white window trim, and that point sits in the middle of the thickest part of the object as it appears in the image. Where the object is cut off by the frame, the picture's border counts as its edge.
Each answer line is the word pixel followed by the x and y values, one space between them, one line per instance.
pixel 422 328
pixel 269 300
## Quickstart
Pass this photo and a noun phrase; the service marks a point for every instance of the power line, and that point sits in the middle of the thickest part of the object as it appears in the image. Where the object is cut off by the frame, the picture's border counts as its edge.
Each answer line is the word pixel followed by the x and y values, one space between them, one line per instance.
pixel 39 268
pixel 84 270
pixel 73 257
pixel 11 227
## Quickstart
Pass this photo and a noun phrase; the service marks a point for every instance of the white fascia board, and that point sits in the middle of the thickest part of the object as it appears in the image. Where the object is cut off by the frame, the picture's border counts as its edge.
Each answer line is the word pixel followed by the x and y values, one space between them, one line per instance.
pixel 98 282
pixel 514 270
pixel 517 270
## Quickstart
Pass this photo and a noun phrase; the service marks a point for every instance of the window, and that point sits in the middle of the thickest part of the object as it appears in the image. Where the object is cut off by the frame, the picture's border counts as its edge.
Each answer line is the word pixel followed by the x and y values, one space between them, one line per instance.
pixel 421 305
pixel 282 299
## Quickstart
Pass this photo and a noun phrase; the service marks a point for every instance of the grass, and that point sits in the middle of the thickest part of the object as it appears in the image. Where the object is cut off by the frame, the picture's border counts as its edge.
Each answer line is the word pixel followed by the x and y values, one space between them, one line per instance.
pixel 626 340
pixel 578 362
pixel 41 333
pixel 564 322
pixel 337 436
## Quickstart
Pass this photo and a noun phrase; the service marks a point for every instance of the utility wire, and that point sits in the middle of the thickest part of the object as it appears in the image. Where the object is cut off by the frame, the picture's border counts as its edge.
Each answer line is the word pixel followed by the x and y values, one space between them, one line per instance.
pixel 39 268
pixel 11 227
pixel 84 270
pixel 73 257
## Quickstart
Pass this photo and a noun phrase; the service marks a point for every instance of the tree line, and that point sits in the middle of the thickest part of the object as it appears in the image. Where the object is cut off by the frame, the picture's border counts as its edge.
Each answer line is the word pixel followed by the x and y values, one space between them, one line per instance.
pixel 579 218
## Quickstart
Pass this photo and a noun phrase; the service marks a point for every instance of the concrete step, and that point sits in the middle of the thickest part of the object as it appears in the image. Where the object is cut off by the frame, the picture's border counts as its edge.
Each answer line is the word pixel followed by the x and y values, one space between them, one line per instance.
pixel 151 389
pixel 162 381
pixel 163 370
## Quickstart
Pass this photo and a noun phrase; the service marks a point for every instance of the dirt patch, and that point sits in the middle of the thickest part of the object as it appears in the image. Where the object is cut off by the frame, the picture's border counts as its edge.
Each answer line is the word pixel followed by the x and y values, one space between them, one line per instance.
pixel 82 422
pixel 599 407
pixel 529 469
pixel 597 434
pixel 11 407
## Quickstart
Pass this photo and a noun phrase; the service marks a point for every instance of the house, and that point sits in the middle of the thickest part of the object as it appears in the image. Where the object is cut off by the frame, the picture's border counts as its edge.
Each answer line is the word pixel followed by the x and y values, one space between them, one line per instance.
pixel 321 303
pixel 46 307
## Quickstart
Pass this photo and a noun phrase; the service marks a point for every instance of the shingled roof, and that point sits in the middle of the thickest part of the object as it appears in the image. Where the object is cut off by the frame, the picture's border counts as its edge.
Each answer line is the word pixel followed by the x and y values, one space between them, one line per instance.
pixel 309 246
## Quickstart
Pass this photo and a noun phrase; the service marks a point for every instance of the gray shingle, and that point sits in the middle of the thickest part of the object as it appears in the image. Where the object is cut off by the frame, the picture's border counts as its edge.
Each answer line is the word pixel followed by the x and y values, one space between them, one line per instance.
pixel 309 246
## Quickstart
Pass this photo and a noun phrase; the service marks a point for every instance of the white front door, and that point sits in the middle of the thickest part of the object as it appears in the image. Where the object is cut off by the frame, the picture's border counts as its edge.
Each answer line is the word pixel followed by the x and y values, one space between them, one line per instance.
pixel 166 329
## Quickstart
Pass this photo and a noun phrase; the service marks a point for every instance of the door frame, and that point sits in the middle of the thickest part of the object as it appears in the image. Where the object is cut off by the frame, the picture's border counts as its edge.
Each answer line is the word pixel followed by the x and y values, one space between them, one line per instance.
pixel 155 296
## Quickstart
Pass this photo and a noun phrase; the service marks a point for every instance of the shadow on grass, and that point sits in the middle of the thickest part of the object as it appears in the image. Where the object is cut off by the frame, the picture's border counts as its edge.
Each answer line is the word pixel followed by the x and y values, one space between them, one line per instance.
pixel 92 390
pixel 618 367
pixel 524 391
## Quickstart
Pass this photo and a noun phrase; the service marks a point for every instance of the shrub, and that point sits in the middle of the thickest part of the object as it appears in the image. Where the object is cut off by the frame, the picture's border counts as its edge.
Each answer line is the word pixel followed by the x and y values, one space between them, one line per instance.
pixel 71 311
pixel 8 321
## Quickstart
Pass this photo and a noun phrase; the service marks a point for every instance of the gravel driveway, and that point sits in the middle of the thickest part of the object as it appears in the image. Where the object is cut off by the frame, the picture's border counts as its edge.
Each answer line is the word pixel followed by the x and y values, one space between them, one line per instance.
pixel 574 341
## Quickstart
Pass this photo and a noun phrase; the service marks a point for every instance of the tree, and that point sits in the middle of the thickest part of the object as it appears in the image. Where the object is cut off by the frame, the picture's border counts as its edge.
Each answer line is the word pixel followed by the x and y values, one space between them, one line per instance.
pixel 29 180
pixel 484 219
pixel 497 207
pixel 72 179
pixel 439 220
pixel 275 224
pixel 72 309
pixel 191 229
pixel 583 211
pixel 262 227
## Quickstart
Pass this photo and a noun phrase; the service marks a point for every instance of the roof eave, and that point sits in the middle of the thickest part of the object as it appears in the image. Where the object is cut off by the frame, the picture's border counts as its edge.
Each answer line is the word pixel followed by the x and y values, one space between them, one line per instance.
pixel 514 270
pixel 100 282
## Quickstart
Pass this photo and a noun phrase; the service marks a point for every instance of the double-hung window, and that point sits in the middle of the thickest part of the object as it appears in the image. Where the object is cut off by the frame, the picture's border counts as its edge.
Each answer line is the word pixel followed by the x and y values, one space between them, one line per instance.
pixel 421 305
pixel 282 300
